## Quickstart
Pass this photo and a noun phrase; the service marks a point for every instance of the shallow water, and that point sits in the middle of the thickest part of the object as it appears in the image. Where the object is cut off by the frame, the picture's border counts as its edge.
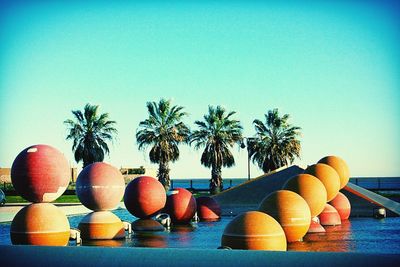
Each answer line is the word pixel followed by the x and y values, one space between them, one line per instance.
pixel 354 235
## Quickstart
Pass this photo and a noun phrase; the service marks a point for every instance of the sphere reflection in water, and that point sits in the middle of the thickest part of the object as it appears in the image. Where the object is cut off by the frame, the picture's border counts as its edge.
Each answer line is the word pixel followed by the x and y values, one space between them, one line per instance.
pixel 104 243
pixel 336 239
pixel 150 240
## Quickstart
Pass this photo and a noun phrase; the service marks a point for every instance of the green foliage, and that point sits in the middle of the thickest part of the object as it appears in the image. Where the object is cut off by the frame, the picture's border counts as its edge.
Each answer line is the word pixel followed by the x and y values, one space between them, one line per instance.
pixel 89 132
pixel 275 144
pixel 163 131
pixel 217 133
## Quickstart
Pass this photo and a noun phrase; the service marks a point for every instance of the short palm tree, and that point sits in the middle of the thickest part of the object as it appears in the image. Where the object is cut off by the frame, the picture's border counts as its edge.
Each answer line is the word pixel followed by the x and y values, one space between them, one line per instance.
pixel 217 134
pixel 275 144
pixel 90 131
pixel 164 131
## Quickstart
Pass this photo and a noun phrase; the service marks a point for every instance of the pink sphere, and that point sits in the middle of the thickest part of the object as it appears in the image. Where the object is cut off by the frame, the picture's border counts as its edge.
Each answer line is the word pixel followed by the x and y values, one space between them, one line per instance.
pixel 181 205
pixel 40 173
pixel 208 209
pixel 329 216
pixel 100 186
pixel 342 204
pixel 144 197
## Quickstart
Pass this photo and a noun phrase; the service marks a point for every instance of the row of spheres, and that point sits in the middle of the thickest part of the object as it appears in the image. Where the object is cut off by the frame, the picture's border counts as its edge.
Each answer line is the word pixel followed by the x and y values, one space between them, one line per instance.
pixel 41 174
pixel 287 215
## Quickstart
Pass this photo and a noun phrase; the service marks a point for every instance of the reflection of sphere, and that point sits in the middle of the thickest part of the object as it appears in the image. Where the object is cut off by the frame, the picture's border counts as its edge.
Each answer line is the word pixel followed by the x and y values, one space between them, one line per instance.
pixel 100 186
pixel 144 197
pixel 342 204
pixel 340 167
pixel 40 224
pixel 147 225
pixel 101 225
pixel 328 176
pixel 208 209
pixel 329 216
pixel 290 210
pixel 40 173
pixel 181 205
pixel 311 189
pixel 254 230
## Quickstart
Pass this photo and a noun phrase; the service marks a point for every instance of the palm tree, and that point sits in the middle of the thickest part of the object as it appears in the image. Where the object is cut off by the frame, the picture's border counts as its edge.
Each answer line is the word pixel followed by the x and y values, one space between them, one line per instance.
pixel 89 132
pixel 164 131
pixel 275 143
pixel 217 133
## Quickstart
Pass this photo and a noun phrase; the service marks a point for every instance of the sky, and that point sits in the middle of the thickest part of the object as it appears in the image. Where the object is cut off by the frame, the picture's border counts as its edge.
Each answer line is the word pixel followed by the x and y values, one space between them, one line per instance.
pixel 332 65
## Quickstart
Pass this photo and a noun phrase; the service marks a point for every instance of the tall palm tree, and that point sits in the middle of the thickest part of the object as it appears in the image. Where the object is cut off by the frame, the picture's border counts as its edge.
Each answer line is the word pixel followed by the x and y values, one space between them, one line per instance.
pixel 90 131
pixel 275 143
pixel 164 131
pixel 217 133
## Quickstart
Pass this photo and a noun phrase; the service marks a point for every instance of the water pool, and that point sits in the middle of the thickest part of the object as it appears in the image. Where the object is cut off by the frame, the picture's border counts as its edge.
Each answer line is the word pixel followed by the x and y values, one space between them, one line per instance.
pixel 355 235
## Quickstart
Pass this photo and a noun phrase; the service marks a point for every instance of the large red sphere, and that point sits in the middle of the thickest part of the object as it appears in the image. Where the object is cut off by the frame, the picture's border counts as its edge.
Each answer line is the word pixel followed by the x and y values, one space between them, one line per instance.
pixel 40 173
pixel 100 186
pixel 40 224
pixel 208 209
pixel 329 216
pixel 254 230
pixel 181 205
pixel 342 204
pixel 144 197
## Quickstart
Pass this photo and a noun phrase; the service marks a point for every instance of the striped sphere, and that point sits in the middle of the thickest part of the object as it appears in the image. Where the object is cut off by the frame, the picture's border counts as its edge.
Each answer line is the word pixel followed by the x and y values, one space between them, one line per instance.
pixel 40 224
pixel 328 176
pixel 340 166
pixel 254 230
pixel 101 225
pixel 329 216
pixel 342 204
pixel 311 189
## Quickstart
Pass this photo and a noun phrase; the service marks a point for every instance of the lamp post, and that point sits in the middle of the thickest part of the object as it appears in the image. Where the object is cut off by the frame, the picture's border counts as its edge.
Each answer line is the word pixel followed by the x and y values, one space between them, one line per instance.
pixel 244 145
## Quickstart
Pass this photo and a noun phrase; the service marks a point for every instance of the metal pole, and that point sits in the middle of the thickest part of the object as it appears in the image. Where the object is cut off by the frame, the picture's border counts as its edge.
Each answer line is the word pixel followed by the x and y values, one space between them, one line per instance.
pixel 248 163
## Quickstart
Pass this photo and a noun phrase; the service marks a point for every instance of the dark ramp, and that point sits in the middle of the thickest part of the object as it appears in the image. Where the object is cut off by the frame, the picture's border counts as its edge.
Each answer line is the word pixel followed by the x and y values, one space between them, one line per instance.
pixel 363 202
pixel 247 196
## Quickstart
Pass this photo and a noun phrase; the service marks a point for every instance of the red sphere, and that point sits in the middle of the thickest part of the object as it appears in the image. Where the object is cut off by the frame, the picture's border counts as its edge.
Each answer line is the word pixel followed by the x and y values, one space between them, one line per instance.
pixel 208 209
pixel 329 216
pixel 181 205
pixel 40 173
pixel 100 186
pixel 144 197
pixel 342 204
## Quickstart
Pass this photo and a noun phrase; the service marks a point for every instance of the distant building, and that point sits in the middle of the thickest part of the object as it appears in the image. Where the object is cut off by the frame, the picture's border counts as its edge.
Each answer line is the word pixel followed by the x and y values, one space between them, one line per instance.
pixel 5 175
pixel 131 173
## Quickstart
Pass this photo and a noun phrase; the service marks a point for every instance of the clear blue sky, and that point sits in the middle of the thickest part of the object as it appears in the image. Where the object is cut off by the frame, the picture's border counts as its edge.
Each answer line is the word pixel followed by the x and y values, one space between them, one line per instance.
pixel 333 66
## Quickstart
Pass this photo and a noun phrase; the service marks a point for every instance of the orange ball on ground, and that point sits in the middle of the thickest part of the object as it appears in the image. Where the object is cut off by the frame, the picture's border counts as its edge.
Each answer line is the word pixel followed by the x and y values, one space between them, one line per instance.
pixel 101 225
pixel 328 176
pixel 290 210
pixel 311 189
pixel 208 209
pixel 100 186
pixel 329 216
pixel 181 205
pixel 40 173
pixel 40 224
pixel 144 197
pixel 342 204
pixel 340 167
pixel 254 230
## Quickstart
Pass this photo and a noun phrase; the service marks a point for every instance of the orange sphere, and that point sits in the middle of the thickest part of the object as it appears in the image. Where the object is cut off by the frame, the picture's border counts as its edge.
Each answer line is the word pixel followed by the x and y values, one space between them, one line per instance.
pixel 329 216
pixel 340 167
pixel 328 176
pixel 254 230
pixel 290 210
pixel 144 197
pixel 101 225
pixel 100 186
pixel 311 189
pixel 342 204
pixel 40 224
pixel 208 209
pixel 40 173
pixel 181 205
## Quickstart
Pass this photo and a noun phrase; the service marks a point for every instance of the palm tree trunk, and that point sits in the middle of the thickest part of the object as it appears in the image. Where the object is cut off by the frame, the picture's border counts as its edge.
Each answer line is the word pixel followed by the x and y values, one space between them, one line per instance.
pixel 163 175
pixel 216 184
